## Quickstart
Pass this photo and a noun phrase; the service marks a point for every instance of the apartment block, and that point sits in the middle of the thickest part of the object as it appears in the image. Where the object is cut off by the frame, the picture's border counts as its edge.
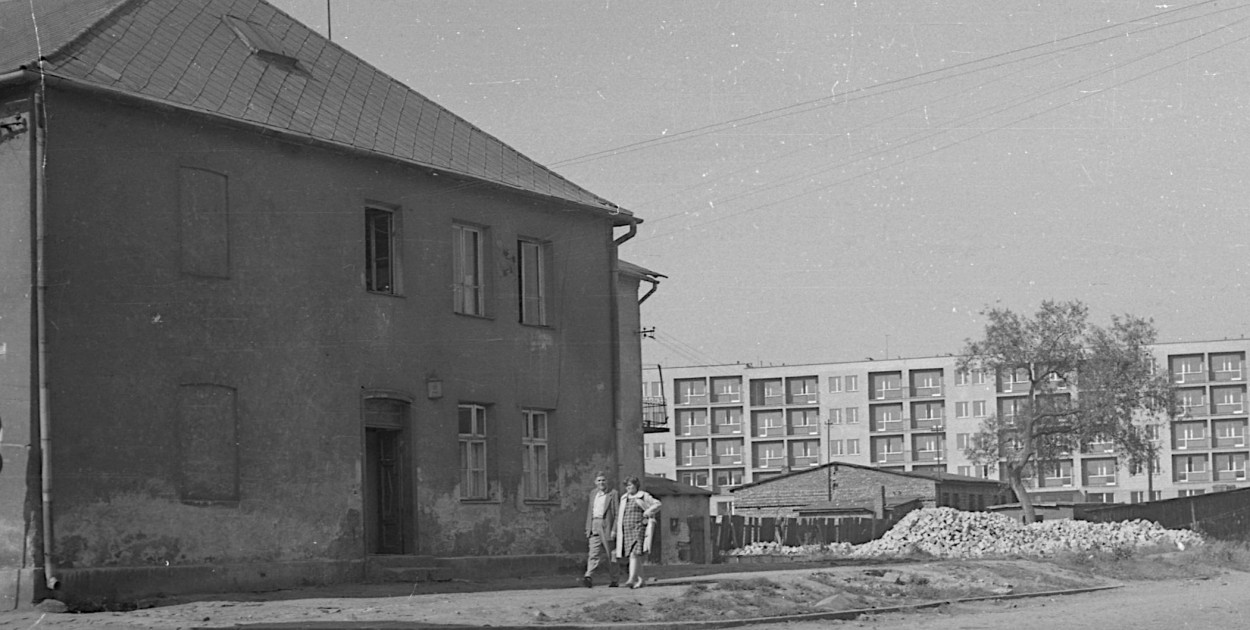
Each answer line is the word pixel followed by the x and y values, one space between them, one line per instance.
pixel 741 423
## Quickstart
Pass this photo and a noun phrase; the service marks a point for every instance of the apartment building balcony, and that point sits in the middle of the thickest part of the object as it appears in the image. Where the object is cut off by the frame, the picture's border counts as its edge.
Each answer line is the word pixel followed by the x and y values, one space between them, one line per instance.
pixel 1232 441
pixel 1192 476
pixel 1228 376
pixel 806 461
pixel 693 430
pixel 804 430
pixel 928 457
pixel 770 431
pixel 1230 475
pixel 893 393
pixel 890 458
pixel 888 426
pixel 770 463
pixel 1200 410
pixel 1055 482
pixel 687 461
pixel 1191 443
pixel 1228 409
pixel 732 428
pixel 928 424
pixel 1100 480
pixel 1189 378
pixel 734 459
pixel 926 392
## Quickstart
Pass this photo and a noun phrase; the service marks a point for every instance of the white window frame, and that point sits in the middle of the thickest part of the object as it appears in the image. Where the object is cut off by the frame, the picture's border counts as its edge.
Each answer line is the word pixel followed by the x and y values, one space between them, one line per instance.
pixel 532 281
pixel 474 483
pixel 469 269
pixel 376 280
pixel 835 384
pixel 852 446
pixel 536 468
pixel 962 409
pixel 852 383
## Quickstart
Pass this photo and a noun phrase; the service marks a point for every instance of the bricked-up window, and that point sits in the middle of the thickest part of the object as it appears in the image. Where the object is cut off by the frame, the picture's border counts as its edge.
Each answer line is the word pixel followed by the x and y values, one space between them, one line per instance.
pixel 204 223
pixel 379 250
pixel 473 452
pixel 208 444
pixel 532 282
pixel 468 281
pixel 534 444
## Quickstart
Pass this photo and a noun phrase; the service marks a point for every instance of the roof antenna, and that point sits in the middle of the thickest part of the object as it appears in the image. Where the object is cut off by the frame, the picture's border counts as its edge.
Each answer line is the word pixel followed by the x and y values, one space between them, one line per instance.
pixel 329 25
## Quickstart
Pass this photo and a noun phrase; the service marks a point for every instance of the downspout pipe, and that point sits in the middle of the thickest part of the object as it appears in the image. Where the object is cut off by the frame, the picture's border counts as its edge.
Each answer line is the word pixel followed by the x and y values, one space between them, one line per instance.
pixel 615 319
pixel 40 319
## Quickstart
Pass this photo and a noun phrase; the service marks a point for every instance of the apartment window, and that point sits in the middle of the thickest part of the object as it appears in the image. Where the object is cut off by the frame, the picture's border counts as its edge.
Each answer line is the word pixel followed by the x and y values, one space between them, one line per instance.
pixel 473 452
pixel 804 453
pixel 770 455
pixel 534 444
pixel 961 410
pixel 961 441
pixel 532 282
pixel 1187 369
pixel 656 450
pixel 1100 497
pixel 965 471
pixel 1190 493
pixel 835 384
pixel 693 453
pixel 852 383
pixel 728 452
pixel 978 409
pixel 379 250
pixel 804 422
pixel 768 423
pixel 691 392
pixel 801 391
pixel 692 422
pixel 468 264
pixel 694 478
pixel 728 420
pixel 767 392
pixel 728 478
pixel 962 377
pixel 851 415
pixel 1099 472
pixel 835 416
pixel 726 390
pixel 852 447
pixel 835 447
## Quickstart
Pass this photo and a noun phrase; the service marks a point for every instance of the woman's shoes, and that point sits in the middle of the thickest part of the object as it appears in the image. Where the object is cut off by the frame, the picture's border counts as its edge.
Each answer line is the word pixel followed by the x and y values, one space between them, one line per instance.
pixel 635 583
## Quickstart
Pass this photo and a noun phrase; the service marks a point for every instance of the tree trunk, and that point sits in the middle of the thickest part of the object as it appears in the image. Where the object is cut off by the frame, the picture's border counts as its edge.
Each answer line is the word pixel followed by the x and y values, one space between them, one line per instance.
pixel 1017 485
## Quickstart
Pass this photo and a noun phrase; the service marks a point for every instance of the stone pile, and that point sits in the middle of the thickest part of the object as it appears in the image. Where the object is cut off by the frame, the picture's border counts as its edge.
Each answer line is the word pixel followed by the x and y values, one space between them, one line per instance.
pixel 949 533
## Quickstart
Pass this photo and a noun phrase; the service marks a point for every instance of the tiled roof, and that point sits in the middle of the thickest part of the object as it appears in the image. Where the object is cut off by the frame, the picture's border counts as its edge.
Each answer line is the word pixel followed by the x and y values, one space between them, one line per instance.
pixel 185 53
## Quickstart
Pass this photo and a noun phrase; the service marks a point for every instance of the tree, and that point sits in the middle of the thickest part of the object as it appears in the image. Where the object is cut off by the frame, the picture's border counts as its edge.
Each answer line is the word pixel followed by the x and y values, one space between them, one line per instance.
pixel 1078 384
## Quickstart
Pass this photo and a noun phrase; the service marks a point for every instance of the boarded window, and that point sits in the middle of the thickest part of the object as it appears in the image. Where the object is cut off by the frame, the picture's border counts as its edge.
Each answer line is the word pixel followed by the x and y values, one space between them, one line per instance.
pixel 208 443
pixel 204 230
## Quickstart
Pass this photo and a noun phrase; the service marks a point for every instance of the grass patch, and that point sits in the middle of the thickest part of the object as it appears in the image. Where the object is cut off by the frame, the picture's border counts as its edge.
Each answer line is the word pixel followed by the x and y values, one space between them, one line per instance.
pixel 1159 563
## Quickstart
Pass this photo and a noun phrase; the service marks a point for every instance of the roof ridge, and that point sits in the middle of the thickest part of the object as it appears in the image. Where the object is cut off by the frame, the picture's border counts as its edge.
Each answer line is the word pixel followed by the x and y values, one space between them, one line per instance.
pixel 96 25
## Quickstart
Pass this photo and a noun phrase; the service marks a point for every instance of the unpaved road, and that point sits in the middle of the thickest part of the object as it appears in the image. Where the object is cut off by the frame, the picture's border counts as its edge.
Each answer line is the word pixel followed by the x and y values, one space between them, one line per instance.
pixel 1221 601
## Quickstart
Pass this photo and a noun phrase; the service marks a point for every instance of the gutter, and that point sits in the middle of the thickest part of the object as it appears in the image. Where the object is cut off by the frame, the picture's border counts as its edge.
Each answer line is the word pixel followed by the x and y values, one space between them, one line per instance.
pixel 40 319
pixel 615 319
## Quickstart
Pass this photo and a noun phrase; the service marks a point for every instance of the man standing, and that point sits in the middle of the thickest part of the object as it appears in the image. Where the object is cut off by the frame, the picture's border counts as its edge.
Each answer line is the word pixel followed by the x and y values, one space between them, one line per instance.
pixel 601 529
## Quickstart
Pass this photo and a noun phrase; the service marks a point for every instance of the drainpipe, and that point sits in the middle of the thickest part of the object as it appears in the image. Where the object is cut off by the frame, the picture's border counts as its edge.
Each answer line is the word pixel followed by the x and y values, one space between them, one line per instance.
pixel 615 316
pixel 45 417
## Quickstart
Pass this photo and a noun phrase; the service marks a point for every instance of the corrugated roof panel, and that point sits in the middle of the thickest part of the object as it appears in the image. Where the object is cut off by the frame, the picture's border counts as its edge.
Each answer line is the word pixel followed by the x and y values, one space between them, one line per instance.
pixel 184 53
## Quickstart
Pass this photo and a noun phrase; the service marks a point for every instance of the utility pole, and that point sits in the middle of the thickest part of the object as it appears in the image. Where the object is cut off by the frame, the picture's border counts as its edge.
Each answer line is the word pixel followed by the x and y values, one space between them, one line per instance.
pixel 329 23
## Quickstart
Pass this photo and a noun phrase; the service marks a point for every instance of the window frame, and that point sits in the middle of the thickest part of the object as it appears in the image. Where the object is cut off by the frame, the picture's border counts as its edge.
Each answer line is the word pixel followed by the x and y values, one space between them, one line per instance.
pixel 469 292
pixel 536 461
pixel 392 258
pixel 474 470
pixel 533 278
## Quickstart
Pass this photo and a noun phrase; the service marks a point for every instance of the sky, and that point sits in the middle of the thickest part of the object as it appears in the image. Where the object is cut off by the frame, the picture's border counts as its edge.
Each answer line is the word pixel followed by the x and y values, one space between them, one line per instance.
pixel 832 181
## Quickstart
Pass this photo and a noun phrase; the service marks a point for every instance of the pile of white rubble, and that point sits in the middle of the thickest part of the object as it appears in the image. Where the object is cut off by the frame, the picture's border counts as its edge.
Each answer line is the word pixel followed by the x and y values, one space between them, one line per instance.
pixel 948 533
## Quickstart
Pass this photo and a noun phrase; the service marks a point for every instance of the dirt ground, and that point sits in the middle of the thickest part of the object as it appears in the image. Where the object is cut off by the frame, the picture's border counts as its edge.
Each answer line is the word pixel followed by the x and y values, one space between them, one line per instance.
pixel 1213 599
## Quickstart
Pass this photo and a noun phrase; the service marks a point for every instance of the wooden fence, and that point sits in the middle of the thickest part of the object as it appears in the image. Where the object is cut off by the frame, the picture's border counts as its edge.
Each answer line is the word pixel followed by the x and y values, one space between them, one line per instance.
pixel 1219 515
pixel 732 532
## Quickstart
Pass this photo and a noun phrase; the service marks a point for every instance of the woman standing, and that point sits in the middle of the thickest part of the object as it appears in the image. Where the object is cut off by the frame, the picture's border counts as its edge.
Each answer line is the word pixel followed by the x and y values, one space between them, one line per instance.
pixel 637 511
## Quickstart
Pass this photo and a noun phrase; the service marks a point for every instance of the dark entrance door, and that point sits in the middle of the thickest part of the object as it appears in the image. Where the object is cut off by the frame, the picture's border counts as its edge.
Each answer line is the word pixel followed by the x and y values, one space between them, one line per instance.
pixel 386 498
pixel 383 500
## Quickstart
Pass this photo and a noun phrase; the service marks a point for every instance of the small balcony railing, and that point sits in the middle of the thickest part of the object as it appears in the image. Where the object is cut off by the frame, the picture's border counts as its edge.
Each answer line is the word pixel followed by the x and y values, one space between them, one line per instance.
pixel 770 462
pixel 926 392
pixel 890 458
pixel 728 428
pixel 1191 443
pixel 770 431
pixel 921 457
pixel 1100 480
pixel 1184 378
pixel 1231 475
pixel 695 460
pixel 887 426
pixel 1228 376
pixel 727 459
pixel 1230 441
pixel 805 429
pixel 928 424
pixel 692 430
pixel 805 461
pixel 1192 476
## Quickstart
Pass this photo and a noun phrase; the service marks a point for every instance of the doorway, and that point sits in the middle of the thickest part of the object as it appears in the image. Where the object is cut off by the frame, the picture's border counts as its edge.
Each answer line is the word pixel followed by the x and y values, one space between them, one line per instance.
pixel 386 499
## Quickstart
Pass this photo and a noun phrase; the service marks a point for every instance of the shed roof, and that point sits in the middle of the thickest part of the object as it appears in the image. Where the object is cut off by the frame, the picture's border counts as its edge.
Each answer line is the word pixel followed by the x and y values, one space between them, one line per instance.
pixel 663 486
pixel 247 61
pixel 931 476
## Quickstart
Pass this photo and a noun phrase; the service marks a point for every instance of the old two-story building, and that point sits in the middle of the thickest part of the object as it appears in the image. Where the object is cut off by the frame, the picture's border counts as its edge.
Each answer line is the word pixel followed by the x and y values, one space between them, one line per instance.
pixel 267 313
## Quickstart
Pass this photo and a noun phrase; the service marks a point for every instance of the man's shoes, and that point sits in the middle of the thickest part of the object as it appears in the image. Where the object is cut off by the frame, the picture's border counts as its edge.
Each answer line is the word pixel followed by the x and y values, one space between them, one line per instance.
pixel 586 581
pixel 613 584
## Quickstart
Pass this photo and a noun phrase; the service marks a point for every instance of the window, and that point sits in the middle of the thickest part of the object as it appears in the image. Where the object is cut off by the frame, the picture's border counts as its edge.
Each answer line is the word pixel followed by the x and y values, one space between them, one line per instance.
pixel 978 409
pixel 204 223
pixel 961 410
pixel 691 392
pixel 532 282
pixel 656 450
pixel 473 452
pixel 835 384
pixel 728 420
pixel 768 423
pixel 961 377
pixel 852 447
pixel 801 390
pixel 692 422
pixel 1100 497
pixel 379 245
pixel 1187 369
pixel 1190 493
pixel 961 441
pixel 770 455
pixel 726 390
pixel 804 422
pixel 835 447
pixel 468 265
pixel 534 445
pixel 694 478
pixel 852 415
pixel 767 392
pixel 728 478
pixel 693 453
pixel 852 383
pixel 728 452
pixel 835 416
pixel 804 453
